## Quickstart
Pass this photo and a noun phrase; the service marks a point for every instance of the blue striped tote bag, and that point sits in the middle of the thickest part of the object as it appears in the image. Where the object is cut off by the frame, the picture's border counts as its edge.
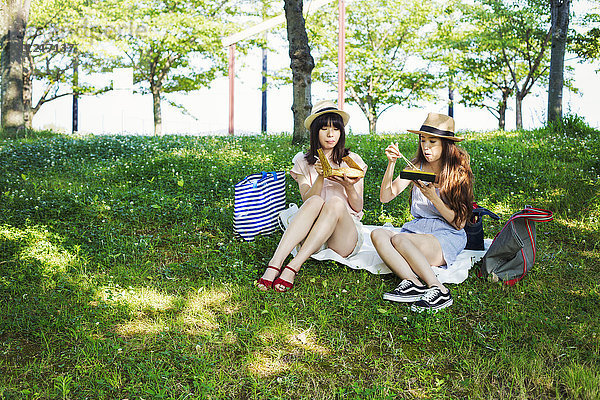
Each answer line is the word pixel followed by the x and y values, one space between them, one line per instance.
pixel 258 200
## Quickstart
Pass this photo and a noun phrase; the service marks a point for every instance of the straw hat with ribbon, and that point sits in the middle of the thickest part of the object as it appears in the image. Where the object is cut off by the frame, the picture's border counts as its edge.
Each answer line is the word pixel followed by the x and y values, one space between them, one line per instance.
pixel 324 107
pixel 438 125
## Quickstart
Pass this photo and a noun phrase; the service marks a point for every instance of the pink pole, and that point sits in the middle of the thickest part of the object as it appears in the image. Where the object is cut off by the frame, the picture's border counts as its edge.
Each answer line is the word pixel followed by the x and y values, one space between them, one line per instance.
pixel 231 71
pixel 341 53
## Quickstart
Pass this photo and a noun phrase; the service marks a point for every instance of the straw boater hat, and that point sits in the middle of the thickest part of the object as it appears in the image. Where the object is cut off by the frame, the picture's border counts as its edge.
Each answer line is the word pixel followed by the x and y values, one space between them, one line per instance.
pixel 324 107
pixel 438 125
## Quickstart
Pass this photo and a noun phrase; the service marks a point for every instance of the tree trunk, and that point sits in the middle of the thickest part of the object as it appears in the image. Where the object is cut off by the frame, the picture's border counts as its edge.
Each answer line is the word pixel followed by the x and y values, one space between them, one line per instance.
pixel 263 114
pixel 372 123
pixel 502 117
pixel 75 104
pixel 302 65
pixel 27 89
pixel 11 91
pixel 451 98
pixel 560 26
pixel 519 110
pixel 502 109
pixel 157 111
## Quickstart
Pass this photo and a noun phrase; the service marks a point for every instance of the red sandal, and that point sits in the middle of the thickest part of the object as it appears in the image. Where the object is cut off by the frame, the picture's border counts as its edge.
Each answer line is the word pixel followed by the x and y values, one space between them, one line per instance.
pixel 266 283
pixel 283 282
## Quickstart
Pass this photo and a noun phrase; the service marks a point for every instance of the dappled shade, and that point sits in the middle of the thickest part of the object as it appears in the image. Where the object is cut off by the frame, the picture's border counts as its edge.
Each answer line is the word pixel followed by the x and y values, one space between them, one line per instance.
pixel 120 276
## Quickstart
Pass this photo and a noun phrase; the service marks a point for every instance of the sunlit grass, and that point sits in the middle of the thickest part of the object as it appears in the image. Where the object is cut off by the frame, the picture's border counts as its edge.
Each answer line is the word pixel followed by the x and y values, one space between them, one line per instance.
pixel 52 258
pixel 120 278
pixel 39 251
pixel 199 316
pixel 581 382
pixel 141 327
pixel 141 299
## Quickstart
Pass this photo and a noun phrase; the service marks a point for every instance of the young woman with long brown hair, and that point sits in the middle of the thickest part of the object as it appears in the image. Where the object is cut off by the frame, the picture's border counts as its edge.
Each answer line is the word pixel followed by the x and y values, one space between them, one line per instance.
pixel 435 236
pixel 333 206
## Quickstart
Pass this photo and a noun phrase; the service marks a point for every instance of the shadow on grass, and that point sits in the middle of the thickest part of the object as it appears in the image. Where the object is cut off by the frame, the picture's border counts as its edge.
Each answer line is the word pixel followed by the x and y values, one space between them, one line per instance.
pixel 122 276
pixel 61 326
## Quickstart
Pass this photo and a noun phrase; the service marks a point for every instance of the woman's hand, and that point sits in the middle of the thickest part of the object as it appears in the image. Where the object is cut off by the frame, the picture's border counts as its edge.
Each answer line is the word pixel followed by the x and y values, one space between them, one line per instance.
pixel 354 190
pixel 344 181
pixel 319 167
pixel 428 189
pixel 392 152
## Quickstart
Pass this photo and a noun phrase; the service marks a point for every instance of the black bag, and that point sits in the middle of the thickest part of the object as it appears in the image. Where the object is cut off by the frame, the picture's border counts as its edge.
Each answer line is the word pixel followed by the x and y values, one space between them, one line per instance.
pixel 474 228
pixel 512 253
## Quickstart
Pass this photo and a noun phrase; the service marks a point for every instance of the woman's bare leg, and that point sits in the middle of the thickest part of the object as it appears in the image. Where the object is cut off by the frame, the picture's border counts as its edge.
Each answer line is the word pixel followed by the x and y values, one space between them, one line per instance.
pixel 382 240
pixel 295 233
pixel 410 256
pixel 421 252
pixel 334 226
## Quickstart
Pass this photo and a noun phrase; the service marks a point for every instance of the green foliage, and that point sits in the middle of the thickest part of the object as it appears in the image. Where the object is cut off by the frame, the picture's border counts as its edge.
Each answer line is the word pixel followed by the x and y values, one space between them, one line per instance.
pixel 586 44
pixel 171 46
pixel 384 40
pixel 179 48
pixel 483 79
pixel 57 33
pixel 29 134
pixel 120 277
pixel 572 126
pixel 503 52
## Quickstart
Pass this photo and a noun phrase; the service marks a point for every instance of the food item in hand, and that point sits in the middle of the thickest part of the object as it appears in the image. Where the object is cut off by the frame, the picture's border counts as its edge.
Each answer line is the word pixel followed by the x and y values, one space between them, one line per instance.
pixel 354 171
pixel 414 175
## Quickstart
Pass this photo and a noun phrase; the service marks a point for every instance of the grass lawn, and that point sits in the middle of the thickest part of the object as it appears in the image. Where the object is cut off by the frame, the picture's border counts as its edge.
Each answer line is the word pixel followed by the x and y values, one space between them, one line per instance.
pixel 120 278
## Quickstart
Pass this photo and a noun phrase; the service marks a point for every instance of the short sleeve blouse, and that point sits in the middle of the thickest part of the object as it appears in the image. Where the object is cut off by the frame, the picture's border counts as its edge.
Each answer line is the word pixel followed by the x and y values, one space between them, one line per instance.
pixel 330 188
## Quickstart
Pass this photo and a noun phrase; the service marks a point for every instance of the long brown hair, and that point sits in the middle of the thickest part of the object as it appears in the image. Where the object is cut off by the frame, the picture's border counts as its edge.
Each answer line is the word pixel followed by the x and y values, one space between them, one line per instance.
pixel 456 179
pixel 339 151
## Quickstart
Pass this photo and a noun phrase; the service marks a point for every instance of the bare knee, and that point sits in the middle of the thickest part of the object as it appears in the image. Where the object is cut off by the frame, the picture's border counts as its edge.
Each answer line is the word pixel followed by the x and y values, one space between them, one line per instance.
pixel 315 201
pixel 334 206
pixel 379 236
pixel 402 243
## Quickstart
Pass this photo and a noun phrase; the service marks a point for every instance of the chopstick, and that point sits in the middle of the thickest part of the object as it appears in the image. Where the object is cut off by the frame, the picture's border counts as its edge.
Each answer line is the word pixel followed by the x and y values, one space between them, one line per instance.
pixel 408 162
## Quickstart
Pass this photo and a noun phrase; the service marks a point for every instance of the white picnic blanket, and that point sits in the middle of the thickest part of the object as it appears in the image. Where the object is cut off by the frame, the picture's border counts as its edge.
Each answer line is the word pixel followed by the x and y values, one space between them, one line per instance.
pixel 368 259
